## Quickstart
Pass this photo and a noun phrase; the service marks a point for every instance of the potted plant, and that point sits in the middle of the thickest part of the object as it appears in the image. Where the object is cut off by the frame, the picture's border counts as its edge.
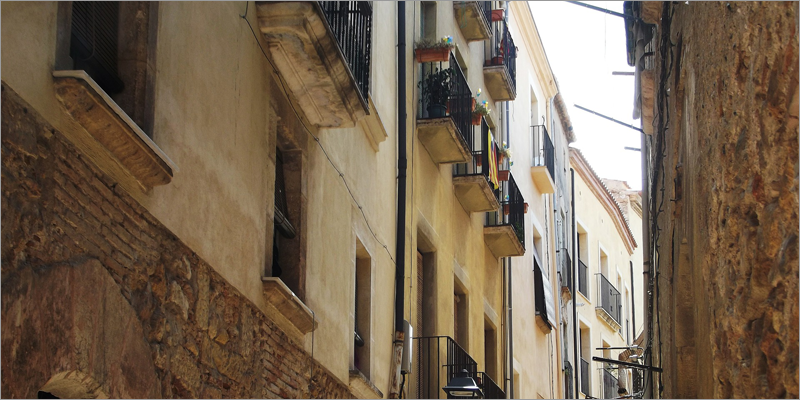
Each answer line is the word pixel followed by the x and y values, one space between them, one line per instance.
pixel 436 92
pixel 526 208
pixel 497 15
pixel 429 50
pixel 502 175
pixel 481 110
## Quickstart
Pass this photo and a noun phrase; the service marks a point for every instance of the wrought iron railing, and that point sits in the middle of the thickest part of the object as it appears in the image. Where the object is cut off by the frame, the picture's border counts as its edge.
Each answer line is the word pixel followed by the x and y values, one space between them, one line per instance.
pixel 583 278
pixel 444 92
pixel 478 143
pixel 569 380
pixel 566 269
pixel 584 378
pixel 543 150
pixel 350 22
pixel 502 51
pixel 439 359
pixel 486 10
pixel 608 298
pixel 610 385
pixel 489 388
pixel 512 208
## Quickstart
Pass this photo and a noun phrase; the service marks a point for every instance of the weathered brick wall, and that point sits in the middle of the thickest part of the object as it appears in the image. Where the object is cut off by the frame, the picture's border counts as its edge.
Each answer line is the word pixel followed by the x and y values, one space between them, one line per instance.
pixel 728 231
pixel 92 282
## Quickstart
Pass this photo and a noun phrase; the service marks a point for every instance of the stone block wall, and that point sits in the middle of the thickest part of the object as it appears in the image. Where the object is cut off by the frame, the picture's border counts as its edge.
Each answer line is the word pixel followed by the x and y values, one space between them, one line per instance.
pixel 725 194
pixel 94 286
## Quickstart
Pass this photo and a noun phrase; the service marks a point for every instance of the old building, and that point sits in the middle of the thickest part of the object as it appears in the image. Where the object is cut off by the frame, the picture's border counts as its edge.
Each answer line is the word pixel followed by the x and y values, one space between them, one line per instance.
pixel 222 200
pixel 717 93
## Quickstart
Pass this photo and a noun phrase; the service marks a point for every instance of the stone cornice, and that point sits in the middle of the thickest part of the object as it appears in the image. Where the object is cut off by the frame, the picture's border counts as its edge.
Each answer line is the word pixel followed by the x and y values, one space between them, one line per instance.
pixel 600 191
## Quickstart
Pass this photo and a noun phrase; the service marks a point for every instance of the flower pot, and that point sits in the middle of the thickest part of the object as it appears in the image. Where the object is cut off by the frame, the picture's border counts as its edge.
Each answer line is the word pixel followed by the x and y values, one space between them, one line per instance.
pixel 500 157
pixel 526 208
pixel 432 54
pixel 497 15
pixel 476 119
pixel 506 209
pixel 497 60
pixel 437 110
pixel 502 175
pixel 479 161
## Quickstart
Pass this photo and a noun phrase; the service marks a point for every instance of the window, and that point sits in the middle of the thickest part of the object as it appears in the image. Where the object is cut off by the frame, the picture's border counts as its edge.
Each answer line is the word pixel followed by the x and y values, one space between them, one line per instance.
pixel 362 311
pixel 114 43
pixel 427 20
pixel 490 349
pixel 461 315
pixel 288 240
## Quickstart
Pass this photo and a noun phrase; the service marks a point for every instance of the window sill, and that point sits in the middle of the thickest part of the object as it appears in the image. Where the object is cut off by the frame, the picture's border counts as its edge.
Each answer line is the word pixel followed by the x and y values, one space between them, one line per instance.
pixel 108 124
pixel 280 297
pixel 361 387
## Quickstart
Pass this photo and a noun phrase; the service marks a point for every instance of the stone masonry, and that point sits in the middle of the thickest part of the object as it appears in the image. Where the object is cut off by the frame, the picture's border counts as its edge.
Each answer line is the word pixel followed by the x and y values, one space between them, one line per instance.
pixel 91 282
pixel 724 171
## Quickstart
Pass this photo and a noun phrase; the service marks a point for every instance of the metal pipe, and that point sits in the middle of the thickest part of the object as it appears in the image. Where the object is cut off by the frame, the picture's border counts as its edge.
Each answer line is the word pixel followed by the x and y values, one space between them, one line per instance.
pixel 605 10
pixel 609 118
pixel 574 282
pixel 646 253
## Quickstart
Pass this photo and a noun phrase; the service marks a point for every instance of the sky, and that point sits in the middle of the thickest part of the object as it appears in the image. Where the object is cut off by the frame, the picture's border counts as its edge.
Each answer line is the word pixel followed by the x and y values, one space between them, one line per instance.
pixel 583 47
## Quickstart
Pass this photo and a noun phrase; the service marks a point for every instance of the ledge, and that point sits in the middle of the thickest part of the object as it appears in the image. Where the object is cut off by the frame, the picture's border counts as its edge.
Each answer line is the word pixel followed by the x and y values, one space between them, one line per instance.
pixel 285 302
pixel 474 193
pixel 498 82
pixel 502 241
pixel 361 387
pixel 542 179
pixel 473 24
pixel 442 140
pixel 105 121
pixel 603 314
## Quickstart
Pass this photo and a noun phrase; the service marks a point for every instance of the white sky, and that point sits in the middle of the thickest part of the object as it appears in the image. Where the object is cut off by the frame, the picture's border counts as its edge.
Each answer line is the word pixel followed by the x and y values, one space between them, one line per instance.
pixel 584 46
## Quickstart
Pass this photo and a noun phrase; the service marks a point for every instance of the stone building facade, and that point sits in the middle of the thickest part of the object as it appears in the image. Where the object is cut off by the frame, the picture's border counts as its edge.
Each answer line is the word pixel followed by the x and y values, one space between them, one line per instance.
pixel 210 209
pixel 717 93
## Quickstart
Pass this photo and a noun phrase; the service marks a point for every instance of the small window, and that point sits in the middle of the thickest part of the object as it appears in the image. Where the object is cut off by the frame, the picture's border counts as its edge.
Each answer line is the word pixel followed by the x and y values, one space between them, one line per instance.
pixel 490 349
pixel 427 20
pixel 461 315
pixel 287 241
pixel 362 311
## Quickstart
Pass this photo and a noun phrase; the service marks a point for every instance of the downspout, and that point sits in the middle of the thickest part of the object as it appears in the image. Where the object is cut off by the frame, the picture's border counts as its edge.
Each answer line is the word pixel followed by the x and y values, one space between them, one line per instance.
pixel 574 282
pixel 633 306
pixel 648 359
pixel 402 162
pixel 510 271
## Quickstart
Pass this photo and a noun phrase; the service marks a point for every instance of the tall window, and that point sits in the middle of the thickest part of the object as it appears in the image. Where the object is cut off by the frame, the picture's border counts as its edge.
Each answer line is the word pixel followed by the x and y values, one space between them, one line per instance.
pixel 490 349
pixel 461 315
pixel 93 42
pixel 427 20
pixel 362 311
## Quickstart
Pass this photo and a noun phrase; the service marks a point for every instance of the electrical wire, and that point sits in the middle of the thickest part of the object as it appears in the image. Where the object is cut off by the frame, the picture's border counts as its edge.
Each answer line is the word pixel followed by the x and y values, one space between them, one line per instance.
pixel 316 139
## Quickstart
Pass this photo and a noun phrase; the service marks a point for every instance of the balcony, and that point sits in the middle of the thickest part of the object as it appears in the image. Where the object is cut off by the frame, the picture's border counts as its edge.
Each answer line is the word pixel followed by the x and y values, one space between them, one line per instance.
pixel 566 272
pixel 500 66
pixel 543 299
pixel 473 19
pixel 542 160
pixel 610 385
pixel 321 51
pixel 437 360
pixel 444 119
pixel 584 378
pixel 609 302
pixel 583 279
pixel 474 190
pixel 504 232
pixel 489 387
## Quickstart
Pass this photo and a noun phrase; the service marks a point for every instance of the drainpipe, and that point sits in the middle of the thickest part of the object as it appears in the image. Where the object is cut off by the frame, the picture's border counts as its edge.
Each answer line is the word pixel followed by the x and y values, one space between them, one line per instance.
pixel 400 245
pixel 648 359
pixel 574 286
pixel 510 271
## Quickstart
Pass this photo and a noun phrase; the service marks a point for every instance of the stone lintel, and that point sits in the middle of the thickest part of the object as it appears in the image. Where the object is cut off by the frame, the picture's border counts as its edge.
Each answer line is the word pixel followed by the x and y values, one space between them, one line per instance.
pixel 308 59
pixel 502 241
pixel 498 83
pixel 442 140
pixel 107 123
pixel 474 193
pixel 288 304
pixel 471 21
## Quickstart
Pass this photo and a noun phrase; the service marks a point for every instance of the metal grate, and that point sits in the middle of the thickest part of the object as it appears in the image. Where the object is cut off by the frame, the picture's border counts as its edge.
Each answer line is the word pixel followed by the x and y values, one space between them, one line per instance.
pixel 350 22
pixel 93 42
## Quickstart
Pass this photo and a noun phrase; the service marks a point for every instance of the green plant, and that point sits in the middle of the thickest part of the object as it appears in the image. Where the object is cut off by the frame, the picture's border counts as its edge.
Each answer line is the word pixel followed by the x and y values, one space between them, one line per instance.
pixel 482 108
pixel 437 85
pixel 443 43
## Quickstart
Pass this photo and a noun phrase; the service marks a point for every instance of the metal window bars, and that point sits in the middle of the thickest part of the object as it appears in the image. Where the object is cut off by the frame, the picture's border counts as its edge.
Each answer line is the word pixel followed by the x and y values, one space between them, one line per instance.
pixel 610 385
pixel 350 22
pixel 489 388
pixel 609 298
pixel 444 92
pixel 512 208
pixel 583 278
pixel 478 145
pixel 584 378
pixel 502 51
pixel 543 152
pixel 439 359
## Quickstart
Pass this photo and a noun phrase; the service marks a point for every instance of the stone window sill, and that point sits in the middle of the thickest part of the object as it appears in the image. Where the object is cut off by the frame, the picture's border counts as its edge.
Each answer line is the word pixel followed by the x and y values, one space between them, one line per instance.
pixel 280 297
pixel 361 387
pixel 108 124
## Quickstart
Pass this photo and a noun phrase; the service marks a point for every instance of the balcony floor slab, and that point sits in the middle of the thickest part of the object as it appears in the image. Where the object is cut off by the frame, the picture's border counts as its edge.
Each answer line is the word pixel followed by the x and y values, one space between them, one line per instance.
pixel 498 82
pixel 442 140
pixel 474 193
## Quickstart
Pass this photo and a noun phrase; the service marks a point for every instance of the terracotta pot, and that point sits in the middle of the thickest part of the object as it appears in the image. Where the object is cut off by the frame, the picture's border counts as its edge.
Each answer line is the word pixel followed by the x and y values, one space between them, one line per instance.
pixel 502 175
pixel 432 54
pixel 497 15
pixel 506 209
pixel 500 157
pixel 479 161
pixel 497 60
pixel 476 119
pixel 526 208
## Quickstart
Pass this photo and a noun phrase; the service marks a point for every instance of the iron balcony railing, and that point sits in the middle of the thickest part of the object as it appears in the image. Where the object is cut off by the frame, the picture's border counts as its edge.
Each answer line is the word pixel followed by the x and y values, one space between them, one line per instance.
pixel 478 143
pixel 566 269
pixel 486 10
pixel 543 150
pixel 489 387
pixel 585 377
pixel 539 294
pixel 512 208
pixel 608 298
pixel 610 386
pixel 439 359
pixel 583 278
pixel 350 22
pixel 444 92
pixel 568 380
pixel 502 51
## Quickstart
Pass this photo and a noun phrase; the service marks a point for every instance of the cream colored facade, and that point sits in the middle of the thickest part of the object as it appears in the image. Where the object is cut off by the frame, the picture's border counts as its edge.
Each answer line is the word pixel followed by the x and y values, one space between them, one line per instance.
pixel 220 109
pixel 607 247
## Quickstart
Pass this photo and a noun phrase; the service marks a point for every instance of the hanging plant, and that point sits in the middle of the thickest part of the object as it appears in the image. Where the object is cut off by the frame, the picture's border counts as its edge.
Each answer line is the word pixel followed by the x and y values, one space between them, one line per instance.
pixel 429 50
pixel 481 110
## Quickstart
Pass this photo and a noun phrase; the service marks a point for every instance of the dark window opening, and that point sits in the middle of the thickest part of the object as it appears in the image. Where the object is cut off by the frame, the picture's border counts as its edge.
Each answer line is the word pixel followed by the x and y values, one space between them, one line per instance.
pixel 93 44
pixel 283 227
